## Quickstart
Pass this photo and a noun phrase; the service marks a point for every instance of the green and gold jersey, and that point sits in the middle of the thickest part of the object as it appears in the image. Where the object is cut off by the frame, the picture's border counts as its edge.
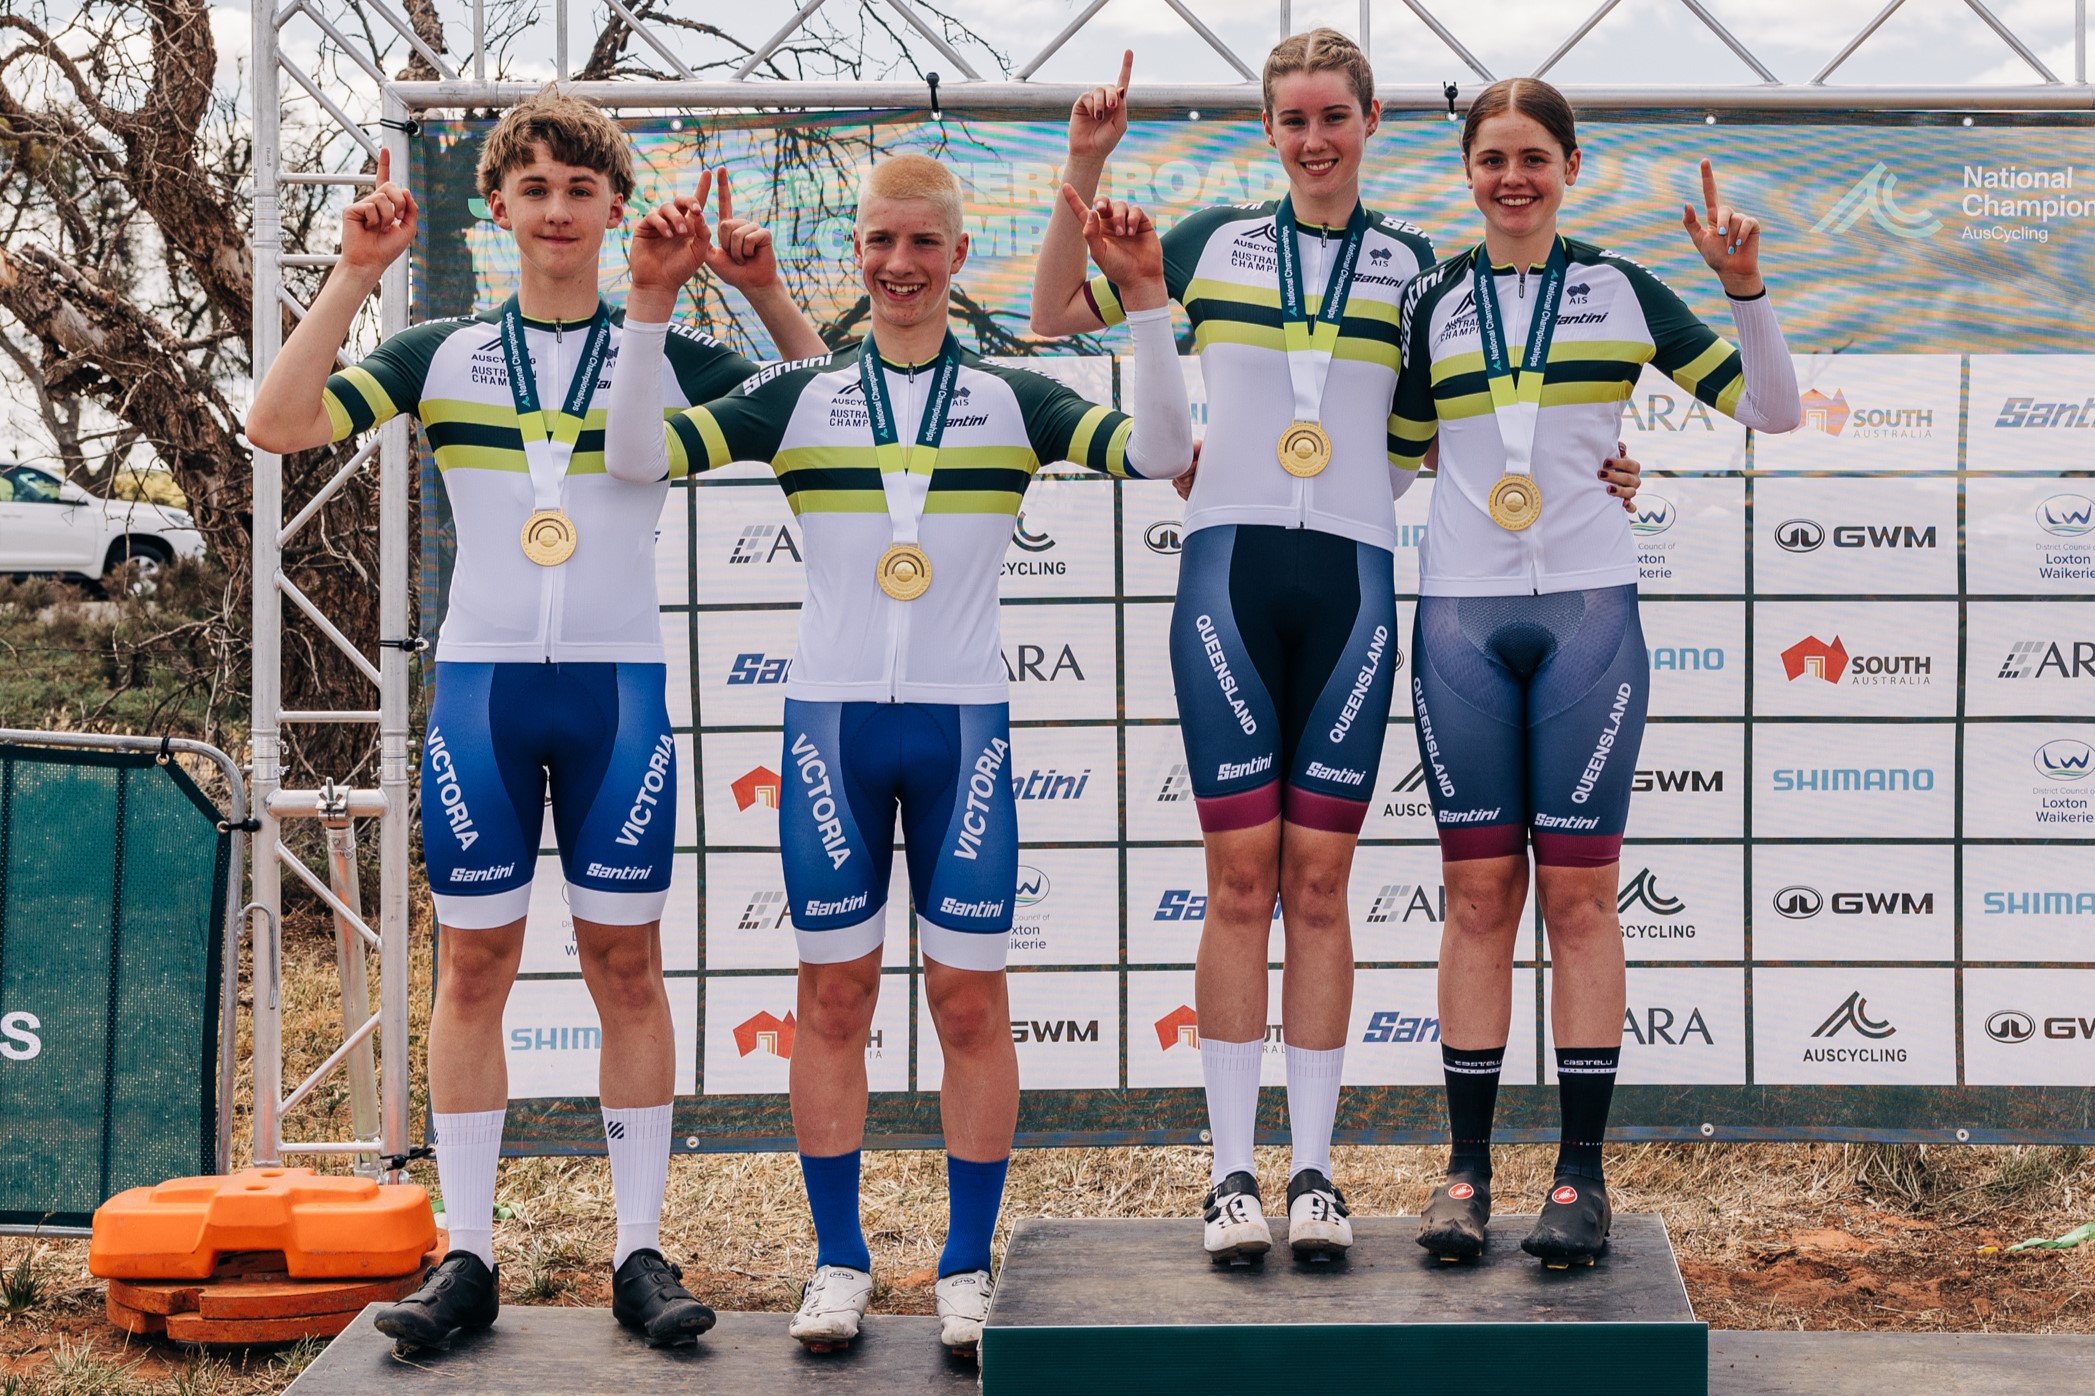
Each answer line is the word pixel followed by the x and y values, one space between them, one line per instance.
pixel 598 606
pixel 1612 319
pixel 1220 264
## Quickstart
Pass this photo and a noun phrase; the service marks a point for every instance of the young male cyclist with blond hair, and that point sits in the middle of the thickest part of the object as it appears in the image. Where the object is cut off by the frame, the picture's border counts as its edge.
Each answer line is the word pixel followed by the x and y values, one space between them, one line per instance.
pixel 906 458
pixel 549 666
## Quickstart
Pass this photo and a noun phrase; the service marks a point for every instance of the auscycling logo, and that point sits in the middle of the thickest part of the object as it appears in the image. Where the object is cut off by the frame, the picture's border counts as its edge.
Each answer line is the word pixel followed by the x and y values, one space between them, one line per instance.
pixel 1873 197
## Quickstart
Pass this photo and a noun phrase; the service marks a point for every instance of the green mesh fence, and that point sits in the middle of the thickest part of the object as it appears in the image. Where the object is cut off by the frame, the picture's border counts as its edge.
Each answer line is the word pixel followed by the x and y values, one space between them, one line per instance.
pixel 112 907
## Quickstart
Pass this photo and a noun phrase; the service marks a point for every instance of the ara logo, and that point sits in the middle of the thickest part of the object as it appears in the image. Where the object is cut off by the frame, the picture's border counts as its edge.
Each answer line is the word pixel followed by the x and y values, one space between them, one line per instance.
pixel 1658 413
pixel 765 1033
pixel 1165 536
pixel 1815 657
pixel 764 543
pixel 1854 1013
pixel 1665 1025
pixel 1400 901
pixel 1873 197
pixel 1032 886
pixel 1394 1025
pixel 1643 890
pixel 1177 784
pixel 2067 515
pixel 757 787
pixel 1033 662
pixel 2064 758
pixel 1178 1028
pixel 1654 516
pixel 766 912
pixel 2040 658
pixel 1026 538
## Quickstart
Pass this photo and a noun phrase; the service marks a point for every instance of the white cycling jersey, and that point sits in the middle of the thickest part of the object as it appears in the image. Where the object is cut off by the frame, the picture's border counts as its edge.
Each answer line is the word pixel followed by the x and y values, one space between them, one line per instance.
pixel 1221 265
pixel 600 605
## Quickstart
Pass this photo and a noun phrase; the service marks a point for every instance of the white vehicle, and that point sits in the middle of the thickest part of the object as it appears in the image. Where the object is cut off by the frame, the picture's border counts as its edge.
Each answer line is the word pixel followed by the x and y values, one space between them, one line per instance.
pixel 51 525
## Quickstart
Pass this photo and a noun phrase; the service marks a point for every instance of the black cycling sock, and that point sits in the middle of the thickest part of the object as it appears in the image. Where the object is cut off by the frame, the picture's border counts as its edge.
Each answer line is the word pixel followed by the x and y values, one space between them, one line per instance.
pixel 1585 1087
pixel 1473 1093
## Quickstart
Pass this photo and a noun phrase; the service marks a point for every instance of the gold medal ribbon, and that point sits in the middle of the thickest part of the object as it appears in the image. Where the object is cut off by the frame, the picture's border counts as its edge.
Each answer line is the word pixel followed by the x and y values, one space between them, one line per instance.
pixel 1310 340
pixel 549 535
pixel 904 570
pixel 1515 502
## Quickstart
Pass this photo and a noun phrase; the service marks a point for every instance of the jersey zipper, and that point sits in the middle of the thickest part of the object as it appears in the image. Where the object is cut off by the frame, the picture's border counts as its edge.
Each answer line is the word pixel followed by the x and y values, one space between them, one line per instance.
pixel 551 588
pixel 1531 537
pixel 1310 277
pixel 898 611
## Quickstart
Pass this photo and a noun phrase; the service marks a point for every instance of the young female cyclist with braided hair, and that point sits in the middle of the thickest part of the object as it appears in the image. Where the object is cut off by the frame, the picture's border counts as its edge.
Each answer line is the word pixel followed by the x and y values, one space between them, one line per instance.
pixel 1530 676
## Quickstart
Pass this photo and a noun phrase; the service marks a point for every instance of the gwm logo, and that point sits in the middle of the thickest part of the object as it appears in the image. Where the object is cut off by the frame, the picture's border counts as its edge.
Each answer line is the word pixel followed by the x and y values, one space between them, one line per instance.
pixel 1871 196
pixel 1854 1013
pixel 2010 1026
pixel 1165 536
pixel 765 1033
pixel 1179 1027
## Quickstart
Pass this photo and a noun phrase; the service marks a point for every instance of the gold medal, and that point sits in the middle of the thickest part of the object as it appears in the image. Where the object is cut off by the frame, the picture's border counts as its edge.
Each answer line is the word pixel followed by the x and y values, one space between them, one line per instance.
pixel 904 572
pixel 549 537
pixel 1305 449
pixel 1516 502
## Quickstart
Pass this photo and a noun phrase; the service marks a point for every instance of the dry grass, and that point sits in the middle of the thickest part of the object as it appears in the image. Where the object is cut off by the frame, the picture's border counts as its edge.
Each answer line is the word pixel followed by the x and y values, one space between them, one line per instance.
pixel 1770 1236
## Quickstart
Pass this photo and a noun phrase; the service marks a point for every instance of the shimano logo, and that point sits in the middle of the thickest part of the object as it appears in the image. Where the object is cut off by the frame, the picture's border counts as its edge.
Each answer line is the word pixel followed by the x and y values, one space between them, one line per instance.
pixel 1837 779
pixel 449 795
pixel 822 800
pixel 1211 644
pixel 653 782
pixel 981 789
pixel 1361 684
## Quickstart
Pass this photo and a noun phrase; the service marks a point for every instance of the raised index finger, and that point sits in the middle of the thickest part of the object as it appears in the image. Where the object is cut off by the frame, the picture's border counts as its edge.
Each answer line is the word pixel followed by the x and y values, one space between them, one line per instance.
pixel 385 165
pixel 1709 190
pixel 1127 70
pixel 727 198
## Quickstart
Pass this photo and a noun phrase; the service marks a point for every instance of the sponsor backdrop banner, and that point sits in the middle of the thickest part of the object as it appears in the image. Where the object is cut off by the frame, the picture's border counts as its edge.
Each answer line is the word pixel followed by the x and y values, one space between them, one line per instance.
pixel 1858 897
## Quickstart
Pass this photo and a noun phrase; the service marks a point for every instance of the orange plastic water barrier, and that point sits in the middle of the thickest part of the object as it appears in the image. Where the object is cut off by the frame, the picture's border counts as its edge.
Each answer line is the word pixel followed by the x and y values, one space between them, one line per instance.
pixel 325 1227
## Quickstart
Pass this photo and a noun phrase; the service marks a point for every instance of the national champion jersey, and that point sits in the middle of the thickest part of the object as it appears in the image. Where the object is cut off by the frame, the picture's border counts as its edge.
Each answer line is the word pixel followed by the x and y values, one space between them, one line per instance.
pixel 809 420
pixel 599 606
pixel 1614 317
pixel 1220 264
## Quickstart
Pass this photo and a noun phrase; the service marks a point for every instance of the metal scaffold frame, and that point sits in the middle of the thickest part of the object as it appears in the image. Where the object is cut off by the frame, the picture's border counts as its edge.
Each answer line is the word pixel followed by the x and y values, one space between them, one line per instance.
pixel 382 1125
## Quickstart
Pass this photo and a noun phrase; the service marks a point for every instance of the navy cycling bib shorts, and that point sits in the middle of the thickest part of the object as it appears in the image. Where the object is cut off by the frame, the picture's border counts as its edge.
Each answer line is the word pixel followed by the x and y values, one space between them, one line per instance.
pixel 499 735
pixel 1530 713
pixel 1283 652
pixel 849 767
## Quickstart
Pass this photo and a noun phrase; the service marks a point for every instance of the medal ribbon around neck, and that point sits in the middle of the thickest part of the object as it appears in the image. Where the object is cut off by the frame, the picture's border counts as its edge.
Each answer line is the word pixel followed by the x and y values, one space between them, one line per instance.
pixel 905 471
pixel 549 446
pixel 1311 340
pixel 1516 396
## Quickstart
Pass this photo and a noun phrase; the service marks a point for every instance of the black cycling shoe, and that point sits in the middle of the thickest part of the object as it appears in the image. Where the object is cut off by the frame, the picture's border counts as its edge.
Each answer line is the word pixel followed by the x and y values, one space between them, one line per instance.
pixel 458 1294
pixel 1573 1228
pixel 647 1293
pixel 1453 1223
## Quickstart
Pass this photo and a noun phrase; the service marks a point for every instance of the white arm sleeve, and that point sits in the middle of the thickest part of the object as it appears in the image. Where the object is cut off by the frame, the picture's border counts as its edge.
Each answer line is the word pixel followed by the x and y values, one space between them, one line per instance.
pixel 1160 445
pixel 1770 402
pixel 636 439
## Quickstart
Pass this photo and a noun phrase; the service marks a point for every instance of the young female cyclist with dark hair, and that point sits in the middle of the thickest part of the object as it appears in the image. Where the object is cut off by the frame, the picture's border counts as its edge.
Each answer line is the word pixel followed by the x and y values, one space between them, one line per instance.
pixel 1530 676
pixel 1283 641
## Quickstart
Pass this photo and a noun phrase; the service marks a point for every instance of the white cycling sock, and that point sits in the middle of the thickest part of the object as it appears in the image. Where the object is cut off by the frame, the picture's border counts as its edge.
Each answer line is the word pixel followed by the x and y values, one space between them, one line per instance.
pixel 1231 1072
pixel 638 1139
pixel 1313 1080
pixel 467 1148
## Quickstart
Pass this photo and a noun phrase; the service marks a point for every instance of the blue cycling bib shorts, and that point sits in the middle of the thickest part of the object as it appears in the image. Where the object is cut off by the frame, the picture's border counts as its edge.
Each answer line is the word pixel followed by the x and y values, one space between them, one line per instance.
pixel 848 769
pixel 499 736
pixel 1530 714
pixel 1283 652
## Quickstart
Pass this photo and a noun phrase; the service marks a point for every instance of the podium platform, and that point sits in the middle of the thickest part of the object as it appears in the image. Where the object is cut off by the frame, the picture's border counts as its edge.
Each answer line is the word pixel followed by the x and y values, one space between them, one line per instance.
pixel 1112 1306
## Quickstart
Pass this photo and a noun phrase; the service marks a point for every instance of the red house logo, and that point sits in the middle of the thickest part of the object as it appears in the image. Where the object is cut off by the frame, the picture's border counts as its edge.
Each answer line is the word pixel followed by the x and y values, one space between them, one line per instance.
pixel 759 787
pixel 1180 1025
pixel 1826 414
pixel 1816 657
pixel 764 1033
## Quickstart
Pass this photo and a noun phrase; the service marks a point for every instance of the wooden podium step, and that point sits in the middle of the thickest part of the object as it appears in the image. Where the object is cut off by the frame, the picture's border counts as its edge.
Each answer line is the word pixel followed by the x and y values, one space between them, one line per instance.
pixel 1102 1307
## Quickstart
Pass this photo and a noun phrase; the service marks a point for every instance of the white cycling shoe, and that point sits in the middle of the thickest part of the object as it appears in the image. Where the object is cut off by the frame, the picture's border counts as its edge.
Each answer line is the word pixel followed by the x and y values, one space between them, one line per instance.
pixel 1318 1228
pixel 1236 1221
pixel 963 1306
pixel 830 1307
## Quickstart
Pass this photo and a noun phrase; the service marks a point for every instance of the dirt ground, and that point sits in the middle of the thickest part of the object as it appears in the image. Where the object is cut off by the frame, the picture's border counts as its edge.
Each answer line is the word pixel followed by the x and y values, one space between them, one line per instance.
pixel 1769 1235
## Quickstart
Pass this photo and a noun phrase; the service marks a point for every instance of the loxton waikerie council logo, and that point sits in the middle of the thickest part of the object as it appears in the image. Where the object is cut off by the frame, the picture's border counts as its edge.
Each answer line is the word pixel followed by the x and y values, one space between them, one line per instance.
pixel 1874 197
